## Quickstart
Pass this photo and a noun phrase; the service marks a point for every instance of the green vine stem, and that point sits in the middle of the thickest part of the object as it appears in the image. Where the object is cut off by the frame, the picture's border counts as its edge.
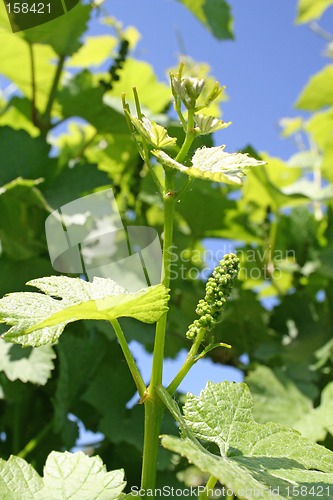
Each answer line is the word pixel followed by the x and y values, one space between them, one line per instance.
pixel 145 155
pixel 46 118
pixel 140 385
pixel 33 85
pixel 142 149
pixel 34 442
pixel 188 363
pixel 205 495
pixel 189 137
pixel 153 406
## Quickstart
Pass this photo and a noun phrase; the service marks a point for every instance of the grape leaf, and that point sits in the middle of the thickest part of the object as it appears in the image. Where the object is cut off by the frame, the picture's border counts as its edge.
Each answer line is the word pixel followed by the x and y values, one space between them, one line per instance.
pixel 79 357
pixel 154 95
pixel 66 475
pixel 253 457
pixel 308 10
pixel 21 201
pixel 18 478
pixel 71 26
pixel 28 365
pixel 214 164
pixel 318 92
pixel 39 319
pixel 82 96
pixel 307 189
pixel 94 52
pixel 13 48
pixel 278 399
pixel 73 183
pixel 29 161
pixel 17 115
pixel 214 15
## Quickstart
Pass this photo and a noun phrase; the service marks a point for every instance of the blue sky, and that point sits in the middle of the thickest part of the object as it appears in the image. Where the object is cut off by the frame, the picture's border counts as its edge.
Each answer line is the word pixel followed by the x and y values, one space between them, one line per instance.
pixel 264 69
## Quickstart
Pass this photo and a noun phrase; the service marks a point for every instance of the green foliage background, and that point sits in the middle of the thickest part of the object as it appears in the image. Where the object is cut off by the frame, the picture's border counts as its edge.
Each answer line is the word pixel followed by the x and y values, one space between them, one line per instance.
pixel 283 219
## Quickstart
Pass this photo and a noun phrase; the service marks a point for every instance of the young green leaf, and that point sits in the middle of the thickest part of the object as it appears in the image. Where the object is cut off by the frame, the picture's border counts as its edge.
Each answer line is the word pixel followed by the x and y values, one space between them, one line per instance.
pixel 209 124
pixel 214 164
pixel 66 475
pixel 155 134
pixel 40 319
pixel 262 458
pixel 308 10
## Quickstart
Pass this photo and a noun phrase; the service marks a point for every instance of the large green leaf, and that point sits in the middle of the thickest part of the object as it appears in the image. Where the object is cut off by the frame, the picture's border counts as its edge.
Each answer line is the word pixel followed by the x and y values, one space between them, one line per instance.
pixel 94 52
pixel 252 457
pixel 30 160
pixel 154 95
pixel 28 365
pixel 318 92
pixel 308 10
pixel 214 164
pixel 278 399
pixel 301 323
pixel 82 96
pixel 209 215
pixel 245 315
pixel 262 189
pixel 14 274
pixel 73 183
pixel 17 115
pixel 14 54
pixel 320 126
pixel 116 421
pixel 215 15
pixel 80 353
pixel 21 201
pixel 40 319
pixel 63 33
pixel 66 475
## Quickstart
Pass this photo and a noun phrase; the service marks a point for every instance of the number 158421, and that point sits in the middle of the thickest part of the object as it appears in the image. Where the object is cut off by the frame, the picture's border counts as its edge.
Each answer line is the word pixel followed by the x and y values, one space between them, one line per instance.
pixel 25 8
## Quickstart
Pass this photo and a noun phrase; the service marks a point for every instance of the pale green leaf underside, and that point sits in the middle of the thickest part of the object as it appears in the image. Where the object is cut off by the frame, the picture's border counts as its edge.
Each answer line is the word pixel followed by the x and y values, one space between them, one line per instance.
pixel 71 476
pixel 39 319
pixel 28 365
pixel 18 479
pixel 257 457
pixel 214 164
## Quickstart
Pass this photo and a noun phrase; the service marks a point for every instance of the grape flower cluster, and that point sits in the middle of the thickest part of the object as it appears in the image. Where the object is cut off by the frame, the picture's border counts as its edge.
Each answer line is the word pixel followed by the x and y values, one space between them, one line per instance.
pixel 218 289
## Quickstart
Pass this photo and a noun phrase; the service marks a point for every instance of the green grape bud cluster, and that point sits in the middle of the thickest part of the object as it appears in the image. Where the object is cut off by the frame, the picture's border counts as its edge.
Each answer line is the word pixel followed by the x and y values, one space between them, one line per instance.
pixel 187 89
pixel 218 289
pixel 117 65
